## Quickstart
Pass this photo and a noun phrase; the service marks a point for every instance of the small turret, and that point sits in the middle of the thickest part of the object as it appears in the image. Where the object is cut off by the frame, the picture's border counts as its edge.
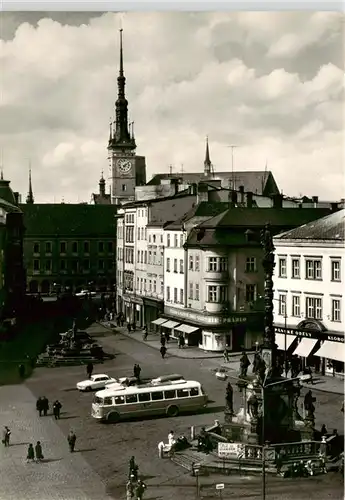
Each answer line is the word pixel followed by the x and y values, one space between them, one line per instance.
pixel 207 162
pixel 30 196
pixel 102 186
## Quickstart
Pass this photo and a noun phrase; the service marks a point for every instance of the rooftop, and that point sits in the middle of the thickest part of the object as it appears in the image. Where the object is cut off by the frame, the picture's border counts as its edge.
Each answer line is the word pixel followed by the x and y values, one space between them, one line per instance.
pixel 331 227
pixel 203 209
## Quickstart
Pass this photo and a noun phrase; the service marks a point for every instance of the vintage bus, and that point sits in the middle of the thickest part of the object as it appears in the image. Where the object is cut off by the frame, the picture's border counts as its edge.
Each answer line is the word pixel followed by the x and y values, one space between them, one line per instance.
pixel 169 398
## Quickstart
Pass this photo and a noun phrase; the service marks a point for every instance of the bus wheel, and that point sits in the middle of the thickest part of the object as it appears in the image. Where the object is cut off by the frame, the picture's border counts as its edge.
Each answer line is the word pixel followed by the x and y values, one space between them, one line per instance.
pixel 113 417
pixel 172 411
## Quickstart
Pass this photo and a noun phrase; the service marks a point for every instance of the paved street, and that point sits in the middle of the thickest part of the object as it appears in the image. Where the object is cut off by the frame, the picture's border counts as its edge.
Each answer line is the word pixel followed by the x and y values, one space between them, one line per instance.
pixel 105 449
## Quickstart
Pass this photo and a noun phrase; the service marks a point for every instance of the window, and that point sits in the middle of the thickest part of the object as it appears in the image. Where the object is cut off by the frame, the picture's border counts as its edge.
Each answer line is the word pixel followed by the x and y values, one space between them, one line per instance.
pixel 168 240
pixel 138 257
pixel 212 263
pixel 197 292
pixel 176 240
pixel 36 248
pixel 36 265
pixel 313 308
pixel 175 265
pixel 282 267
pixel 154 286
pixel 110 246
pixel 168 265
pixel 194 391
pixel 336 310
pixel 168 293
pixel 154 238
pixel 63 247
pixel 150 285
pixel 181 240
pixel 223 294
pixel 139 233
pixel 295 268
pixel 119 400
pixel 170 394
pixel 282 304
pixel 124 187
pixel 250 293
pixel 86 247
pixel 131 398
pixel 313 269
pixel 144 396
pixel 181 295
pixel 181 266
pixel 101 264
pixel 86 264
pixel 250 264
pixel 74 264
pixel 190 294
pixel 145 257
pixel 48 247
pixel 182 393
pixel 191 263
pixel 48 265
pixel 162 287
pixel 223 264
pixel 175 295
pixel 197 263
pixel 212 293
pixel 75 247
pixel 62 265
pixel 156 396
pixel 296 306
pixel 108 401
pixel 150 257
pixel 335 270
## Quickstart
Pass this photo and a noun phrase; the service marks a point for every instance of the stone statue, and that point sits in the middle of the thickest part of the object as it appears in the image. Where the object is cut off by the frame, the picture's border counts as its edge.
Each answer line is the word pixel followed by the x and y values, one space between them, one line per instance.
pixel 253 406
pixel 229 401
pixel 244 363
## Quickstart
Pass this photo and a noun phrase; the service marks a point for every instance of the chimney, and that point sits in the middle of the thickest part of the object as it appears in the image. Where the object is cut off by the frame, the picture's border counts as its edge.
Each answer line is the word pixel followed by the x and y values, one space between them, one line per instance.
pixel 277 201
pixel 233 199
pixel 249 199
pixel 192 189
pixel 315 200
pixel 334 207
pixel 241 190
pixel 202 192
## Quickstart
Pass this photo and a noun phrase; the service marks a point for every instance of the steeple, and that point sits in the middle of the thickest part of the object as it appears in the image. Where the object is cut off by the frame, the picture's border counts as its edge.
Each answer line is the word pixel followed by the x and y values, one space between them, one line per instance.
pixel 30 196
pixel 207 162
pixel 102 185
pixel 121 137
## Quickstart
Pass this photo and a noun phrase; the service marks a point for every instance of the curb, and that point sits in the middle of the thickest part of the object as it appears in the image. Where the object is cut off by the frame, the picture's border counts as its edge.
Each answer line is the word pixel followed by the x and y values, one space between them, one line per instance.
pixel 332 391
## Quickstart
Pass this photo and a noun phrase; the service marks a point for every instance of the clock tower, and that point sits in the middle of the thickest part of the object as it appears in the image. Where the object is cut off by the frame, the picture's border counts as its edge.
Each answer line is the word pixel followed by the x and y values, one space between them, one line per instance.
pixel 127 169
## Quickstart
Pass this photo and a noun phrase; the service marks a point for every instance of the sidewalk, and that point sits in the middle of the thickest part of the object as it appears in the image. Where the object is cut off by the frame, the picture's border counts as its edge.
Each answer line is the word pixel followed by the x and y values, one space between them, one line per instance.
pixel 61 476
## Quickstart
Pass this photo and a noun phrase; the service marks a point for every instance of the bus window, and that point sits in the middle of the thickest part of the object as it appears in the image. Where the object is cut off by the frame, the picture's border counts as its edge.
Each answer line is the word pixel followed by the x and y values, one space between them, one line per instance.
pixel 157 395
pixel 119 400
pixel 170 394
pixel 182 393
pixel 131 398
pixel 98 400
pixel 144 396
pixel 108 401
pixel 194 391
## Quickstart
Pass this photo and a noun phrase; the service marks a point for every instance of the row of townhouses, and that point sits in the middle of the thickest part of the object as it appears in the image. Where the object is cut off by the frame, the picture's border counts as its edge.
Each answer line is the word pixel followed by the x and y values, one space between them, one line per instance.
pixel 190 263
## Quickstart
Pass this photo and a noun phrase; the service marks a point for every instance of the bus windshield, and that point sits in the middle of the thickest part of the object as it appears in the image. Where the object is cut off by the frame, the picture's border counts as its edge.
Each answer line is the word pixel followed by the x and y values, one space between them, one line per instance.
pixel 98 400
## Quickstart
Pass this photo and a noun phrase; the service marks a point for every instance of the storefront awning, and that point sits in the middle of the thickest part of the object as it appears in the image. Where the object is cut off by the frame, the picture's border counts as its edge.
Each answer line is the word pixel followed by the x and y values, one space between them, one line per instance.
pixel 280 340
pixel 332 350
pixel 187 328
pixel 160 321
pixel 305 347
pixel 170 324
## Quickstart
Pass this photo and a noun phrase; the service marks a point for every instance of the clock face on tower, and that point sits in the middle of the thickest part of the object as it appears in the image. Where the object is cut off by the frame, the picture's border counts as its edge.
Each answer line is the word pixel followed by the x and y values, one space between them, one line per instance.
pixel 124 165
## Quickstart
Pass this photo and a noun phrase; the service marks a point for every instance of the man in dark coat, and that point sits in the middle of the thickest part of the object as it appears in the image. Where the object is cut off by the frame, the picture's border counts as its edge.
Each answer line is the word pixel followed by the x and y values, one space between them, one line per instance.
pixel 163 351
pixel 244 363
pixel 38 452
pixel 137 371
pixel 45 405
pixel 89 370
pixel 71 438
pixel 39 406
pixel 56 409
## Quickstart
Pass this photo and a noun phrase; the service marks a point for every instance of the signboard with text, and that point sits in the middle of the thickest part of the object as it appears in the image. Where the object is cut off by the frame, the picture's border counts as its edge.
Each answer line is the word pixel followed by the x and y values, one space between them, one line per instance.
pixel 230 450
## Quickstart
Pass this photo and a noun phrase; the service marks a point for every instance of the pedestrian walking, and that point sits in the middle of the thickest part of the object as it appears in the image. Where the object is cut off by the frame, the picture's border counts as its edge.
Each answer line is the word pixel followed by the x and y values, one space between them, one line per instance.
pixel 30 457
pixel 167 336
pixel 129 327
pixel 71 438
pixel 226 355
pixel 39 405
pixel 145 334
pixel 140 489
pixel 129 490
pixel 21 370
pixel 163 340
pixel 6 434
pixel 133 469
pixel 163 351
pixel 56 409
pixel 137 371
pixel 134 326
pixel 45 405
pixel 89 370
pixel 38 452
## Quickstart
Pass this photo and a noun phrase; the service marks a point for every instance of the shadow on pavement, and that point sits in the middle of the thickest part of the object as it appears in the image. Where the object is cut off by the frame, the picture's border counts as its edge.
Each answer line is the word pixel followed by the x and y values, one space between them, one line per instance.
pixel 84 450
pixel 19 444
pixel 68 417
pixel 49 460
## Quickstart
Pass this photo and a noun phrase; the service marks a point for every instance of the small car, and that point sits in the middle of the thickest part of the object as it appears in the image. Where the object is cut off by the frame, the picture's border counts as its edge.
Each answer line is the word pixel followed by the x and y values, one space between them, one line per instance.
pixel 95 382
pixel 84 293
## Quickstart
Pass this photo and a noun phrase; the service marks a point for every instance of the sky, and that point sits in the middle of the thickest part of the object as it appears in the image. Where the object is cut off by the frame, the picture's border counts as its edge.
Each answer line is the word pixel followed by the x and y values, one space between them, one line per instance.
pixel 271 83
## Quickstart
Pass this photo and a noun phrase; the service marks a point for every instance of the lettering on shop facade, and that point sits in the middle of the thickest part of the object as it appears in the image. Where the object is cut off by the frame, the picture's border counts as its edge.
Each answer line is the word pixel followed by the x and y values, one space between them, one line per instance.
pixel 301 333
pixel 201 318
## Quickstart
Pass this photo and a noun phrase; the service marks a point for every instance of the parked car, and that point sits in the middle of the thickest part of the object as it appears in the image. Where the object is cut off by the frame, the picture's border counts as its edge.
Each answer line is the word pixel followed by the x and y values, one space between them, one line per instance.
pixel 84 293
pixel 96 382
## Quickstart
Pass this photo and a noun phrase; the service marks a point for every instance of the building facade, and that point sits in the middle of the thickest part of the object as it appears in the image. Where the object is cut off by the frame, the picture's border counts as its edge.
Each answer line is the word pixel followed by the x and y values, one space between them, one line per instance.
pixel 309 282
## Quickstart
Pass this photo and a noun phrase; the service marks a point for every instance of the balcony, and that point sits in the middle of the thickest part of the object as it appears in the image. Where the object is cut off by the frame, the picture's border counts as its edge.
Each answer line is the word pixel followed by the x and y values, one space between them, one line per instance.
pixel 215 307
pixel 217 275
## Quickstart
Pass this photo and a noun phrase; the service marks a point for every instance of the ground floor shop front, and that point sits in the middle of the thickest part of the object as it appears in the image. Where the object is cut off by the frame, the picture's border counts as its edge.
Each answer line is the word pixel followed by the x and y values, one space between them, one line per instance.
pixel 321 350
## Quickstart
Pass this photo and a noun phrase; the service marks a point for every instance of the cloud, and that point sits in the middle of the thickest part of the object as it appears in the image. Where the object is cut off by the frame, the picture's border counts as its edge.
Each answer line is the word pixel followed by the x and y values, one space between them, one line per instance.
pixel 272 83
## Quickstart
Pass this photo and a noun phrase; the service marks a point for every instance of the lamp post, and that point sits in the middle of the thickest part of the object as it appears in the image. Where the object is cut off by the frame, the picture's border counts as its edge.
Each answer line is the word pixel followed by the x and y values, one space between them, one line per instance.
pixel 285 338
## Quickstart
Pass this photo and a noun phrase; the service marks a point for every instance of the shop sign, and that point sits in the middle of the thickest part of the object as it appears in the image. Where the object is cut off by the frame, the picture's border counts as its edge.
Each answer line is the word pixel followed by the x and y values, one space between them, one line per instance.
pixel 334 338
pixel 314 335
pixel 203 318
pixel 229 450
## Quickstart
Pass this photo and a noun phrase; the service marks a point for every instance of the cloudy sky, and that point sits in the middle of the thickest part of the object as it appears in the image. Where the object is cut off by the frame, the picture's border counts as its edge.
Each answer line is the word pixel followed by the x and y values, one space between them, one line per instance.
pixel 270 83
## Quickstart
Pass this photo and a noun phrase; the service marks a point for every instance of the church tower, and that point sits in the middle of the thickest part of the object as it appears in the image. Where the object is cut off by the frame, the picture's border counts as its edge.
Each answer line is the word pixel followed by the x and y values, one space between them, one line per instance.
pixel 30 196
pixel 127 169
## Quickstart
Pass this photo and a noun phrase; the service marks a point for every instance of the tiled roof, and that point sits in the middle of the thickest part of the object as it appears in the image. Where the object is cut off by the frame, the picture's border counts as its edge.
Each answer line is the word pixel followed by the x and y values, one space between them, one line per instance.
pixel 255 181
pixel 203 209
pixel 331 227
pixel 170 209
pixel 69 220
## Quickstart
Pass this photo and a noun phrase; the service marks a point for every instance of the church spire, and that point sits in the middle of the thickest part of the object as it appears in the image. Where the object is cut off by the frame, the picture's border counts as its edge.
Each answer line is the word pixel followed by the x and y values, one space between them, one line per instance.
pixel 102 185
pixel 121 137
pixel 30 196
pixel 207 162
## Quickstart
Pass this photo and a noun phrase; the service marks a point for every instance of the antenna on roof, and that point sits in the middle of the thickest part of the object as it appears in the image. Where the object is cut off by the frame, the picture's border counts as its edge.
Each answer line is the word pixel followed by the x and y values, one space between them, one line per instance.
pixel 182 169
pixel 232 146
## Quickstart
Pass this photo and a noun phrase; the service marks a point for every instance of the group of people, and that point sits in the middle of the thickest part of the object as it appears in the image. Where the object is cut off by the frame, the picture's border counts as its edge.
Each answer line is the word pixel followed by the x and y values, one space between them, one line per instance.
pixel 35 454
pixel 135 487
pixel 42 406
